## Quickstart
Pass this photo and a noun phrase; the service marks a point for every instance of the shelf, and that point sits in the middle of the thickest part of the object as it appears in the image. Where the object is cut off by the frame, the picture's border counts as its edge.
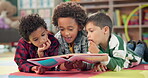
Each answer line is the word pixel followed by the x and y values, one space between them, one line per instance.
pixel 92 2
pixel 130 26
pixel 128 5
pixel 97 7
pixel 144 26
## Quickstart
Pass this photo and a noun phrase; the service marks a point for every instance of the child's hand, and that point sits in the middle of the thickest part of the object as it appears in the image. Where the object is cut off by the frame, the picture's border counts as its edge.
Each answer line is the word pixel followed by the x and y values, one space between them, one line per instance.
pixel 45 46
pixel 79 65
pixel 93 48
pixel 99 67
pixel 74 65
pixel 68 65
pixel 38 69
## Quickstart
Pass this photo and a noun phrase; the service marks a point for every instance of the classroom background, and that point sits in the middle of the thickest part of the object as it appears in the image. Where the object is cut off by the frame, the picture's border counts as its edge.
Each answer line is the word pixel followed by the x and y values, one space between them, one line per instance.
pixel 130 21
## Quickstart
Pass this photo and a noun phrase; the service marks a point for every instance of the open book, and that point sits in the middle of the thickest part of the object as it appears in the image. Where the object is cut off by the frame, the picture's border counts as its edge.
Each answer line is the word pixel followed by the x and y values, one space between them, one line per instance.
pixel 49 62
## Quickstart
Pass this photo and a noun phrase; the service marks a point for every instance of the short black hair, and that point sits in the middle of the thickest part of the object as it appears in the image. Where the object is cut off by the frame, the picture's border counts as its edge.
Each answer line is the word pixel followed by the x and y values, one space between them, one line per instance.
pixel 101 20
pixel 29 24
pixel 70 9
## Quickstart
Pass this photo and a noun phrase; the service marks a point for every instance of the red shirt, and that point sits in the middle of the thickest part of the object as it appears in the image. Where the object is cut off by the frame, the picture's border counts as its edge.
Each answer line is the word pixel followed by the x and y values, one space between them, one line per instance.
pixel 26 51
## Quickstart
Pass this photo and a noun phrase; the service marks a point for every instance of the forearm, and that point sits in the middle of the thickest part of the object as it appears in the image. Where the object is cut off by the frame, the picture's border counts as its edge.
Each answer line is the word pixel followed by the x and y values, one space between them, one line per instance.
pixel 23 65
pixel 115 64
pixel 26 67
pixel 90 59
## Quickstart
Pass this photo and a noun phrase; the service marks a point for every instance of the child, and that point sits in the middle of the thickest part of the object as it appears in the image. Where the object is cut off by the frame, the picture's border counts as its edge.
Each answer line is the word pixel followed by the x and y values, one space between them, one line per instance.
pixel 99 28
pixel 36 42
pixel 70 18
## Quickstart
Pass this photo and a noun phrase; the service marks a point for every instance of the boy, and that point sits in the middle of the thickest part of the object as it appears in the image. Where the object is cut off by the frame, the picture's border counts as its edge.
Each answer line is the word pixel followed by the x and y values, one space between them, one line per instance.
pixel 70 18
pixel 99 28
pixel 36 42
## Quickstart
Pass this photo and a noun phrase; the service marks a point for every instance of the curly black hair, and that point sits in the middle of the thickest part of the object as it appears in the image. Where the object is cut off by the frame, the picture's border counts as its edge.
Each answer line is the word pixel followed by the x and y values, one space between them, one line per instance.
pixel 29 24
pixel 70 9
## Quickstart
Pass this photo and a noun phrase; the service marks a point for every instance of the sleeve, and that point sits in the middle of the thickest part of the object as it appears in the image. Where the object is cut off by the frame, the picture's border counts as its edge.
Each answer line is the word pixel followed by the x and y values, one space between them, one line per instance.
pixel 54 49
pixel 61 51
pixel 59 38
pixel 115 63
pixel 117 55
pixel 21 57
pixel 84 45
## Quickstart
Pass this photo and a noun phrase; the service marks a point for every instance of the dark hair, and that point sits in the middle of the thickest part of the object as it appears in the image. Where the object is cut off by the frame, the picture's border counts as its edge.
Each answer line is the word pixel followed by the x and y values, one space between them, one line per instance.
pixel 70 9
pixel 29 24
pixel 101 20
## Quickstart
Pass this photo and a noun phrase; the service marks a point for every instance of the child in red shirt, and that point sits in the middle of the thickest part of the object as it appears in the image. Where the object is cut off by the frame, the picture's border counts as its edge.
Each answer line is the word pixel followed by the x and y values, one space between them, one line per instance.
pixel 36 42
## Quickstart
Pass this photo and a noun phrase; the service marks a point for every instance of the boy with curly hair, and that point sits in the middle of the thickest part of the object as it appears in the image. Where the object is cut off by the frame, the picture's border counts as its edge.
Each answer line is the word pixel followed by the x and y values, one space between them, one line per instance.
pixel 36 42
pixel 70 18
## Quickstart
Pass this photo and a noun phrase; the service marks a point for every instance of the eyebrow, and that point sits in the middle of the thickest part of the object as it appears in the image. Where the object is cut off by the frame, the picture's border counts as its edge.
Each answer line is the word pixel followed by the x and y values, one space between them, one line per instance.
pixel 89 28
pixel 70 26
pixel 43 31
pixel 67 27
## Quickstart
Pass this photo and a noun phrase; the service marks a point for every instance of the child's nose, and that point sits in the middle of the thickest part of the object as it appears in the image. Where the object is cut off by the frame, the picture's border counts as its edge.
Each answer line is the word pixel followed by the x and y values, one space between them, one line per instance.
pixel 67 33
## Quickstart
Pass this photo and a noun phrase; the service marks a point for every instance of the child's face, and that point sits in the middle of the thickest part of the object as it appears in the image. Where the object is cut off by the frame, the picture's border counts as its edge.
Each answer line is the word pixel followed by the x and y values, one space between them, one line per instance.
pixel 39 37
pixel 68 28
pixel 95 33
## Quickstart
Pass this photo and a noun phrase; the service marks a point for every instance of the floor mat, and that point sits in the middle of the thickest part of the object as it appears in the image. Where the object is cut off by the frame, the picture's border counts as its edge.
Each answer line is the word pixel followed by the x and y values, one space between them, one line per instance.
pixel 140 71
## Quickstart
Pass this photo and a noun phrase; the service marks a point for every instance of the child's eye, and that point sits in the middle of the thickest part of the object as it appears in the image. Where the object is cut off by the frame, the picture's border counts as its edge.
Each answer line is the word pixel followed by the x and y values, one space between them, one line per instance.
pixel 61 29
pixel 91 30
pixel 35 39
pixel 43 35
pixel 70 29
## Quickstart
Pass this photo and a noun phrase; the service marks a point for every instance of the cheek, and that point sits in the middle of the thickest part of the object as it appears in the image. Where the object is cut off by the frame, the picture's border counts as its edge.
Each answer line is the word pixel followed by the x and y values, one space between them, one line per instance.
pixel 35 43
pixel 62 33
pixel 74 34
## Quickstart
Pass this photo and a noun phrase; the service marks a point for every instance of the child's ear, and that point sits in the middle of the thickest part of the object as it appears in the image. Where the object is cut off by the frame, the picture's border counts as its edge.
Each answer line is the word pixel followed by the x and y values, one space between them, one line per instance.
pixel 106 29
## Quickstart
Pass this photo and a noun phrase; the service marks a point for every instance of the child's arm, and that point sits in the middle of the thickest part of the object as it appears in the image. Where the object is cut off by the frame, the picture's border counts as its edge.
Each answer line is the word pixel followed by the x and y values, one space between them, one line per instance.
pixel 21 57
pixel 89 58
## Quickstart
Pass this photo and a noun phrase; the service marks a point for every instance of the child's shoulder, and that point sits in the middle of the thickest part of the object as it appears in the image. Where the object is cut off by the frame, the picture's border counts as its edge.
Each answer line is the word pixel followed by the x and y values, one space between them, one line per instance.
pixel 115 40
pixel 51 37
pixel 22 40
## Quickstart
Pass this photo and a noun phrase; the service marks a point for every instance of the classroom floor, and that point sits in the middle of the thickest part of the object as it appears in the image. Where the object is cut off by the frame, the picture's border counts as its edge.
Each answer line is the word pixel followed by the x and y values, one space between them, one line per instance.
pixel 7 65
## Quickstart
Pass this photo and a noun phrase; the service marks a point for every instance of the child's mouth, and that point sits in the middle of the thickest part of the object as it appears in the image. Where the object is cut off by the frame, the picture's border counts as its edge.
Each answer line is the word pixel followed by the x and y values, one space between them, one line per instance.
pixel 68 39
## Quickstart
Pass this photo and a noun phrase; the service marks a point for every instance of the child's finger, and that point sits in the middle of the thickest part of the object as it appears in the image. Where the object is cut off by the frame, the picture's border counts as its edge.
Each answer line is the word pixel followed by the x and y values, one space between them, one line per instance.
pixel 103 68
pixel 48 41
pixel 44 45
pixel 99 68
pixel 47 45
pixel 92 43
pixel 95 69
